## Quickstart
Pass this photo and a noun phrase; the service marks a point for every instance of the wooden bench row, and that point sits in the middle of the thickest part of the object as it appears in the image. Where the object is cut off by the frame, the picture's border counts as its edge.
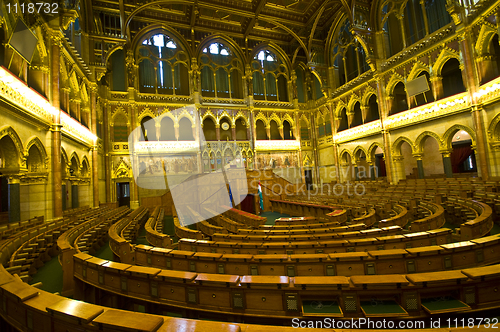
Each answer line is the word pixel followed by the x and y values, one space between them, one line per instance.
pixel 400 241
pixel 327 234
pixel 183 232
pixel 435 218
pixel 154 230
pixel 15 227
pixel 281 296
pixel 126 227
pixel 394 261
pixel 303 209
pixel 243 217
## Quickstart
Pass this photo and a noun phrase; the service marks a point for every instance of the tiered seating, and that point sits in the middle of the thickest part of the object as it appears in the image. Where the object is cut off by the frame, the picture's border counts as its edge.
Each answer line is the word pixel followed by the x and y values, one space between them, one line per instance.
pixel 37 244
pixel 293 235
pixel 182 231
pixel 242 217
pixel 154 229
pixel 15 227
pixel 122 232
pixel 305 208
pixel 404 295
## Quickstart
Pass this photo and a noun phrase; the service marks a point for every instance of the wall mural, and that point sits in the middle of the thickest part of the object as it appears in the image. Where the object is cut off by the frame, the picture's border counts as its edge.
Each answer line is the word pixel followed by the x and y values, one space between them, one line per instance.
pixel 173 165
pixel 276 160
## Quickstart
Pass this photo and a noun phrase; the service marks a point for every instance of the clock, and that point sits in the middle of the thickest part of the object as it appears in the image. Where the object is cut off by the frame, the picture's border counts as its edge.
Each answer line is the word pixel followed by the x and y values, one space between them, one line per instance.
pixel 225 126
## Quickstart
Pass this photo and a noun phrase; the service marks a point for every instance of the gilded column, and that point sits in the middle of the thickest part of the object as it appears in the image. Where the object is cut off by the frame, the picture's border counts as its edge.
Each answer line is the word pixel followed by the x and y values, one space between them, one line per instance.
pixel 471 78
pixel 56 125
pixel 95 160
pixel 448 170
pixel 420 165
pixel 14 195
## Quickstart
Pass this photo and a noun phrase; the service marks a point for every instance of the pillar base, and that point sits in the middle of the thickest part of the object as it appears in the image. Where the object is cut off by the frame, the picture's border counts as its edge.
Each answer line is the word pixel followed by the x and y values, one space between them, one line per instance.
pixel 134 204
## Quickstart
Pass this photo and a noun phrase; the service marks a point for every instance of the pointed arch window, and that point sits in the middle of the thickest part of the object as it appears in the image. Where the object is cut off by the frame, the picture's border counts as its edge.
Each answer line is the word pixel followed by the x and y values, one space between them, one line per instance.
pixel 221 72
pixel 349 58
pixel 163 66
pixel 269 77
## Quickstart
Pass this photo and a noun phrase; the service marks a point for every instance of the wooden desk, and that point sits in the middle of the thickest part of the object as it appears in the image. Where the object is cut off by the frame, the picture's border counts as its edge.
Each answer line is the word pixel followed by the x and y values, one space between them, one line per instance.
pixel 380 281
pixel 141 270
pixel 20 290
pixel 321 282
pixel 309 257
pixel 265 281
pixel 483 273
pixel 78 311
pixel 450 277
pixel 222 280
pixel 112 320
pixel 185 325
pixel 176 276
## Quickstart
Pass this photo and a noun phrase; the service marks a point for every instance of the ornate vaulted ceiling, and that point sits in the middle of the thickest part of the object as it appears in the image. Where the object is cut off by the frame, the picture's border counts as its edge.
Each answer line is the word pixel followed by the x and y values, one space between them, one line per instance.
pixel 252 22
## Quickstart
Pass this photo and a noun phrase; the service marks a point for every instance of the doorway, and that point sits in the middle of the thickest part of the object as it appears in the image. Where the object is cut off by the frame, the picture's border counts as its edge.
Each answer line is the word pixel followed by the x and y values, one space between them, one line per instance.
pixel 123 193
pixel 248 203
pixel 308 175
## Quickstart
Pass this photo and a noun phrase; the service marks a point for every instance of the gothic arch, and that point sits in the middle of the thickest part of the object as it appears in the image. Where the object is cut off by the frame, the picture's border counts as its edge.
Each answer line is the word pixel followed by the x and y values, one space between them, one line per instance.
pixel 155 29
pixel 340 105
pixel 356 151
pixel 147 112
pixel 492 128
pixel 39 145
pixel 417 69
pixel 12 134
pixel 261 116
pixel 108 54
pixel 396 146
pixel 185 114
pixel 288 118
pixel 168 115
pixel 223 40
pixel 448 135
pixel 275 49
pixel 209 114
pixel 354 99
pixel 395 79
pixel 121 112
pixel 85 161
pixel 421 138
pixel 484 38
pixel 445 55
pixel 225 114
pixel 343 152
pixel 241 115
pixel 371 151
pixel 304 117
pixel 367 94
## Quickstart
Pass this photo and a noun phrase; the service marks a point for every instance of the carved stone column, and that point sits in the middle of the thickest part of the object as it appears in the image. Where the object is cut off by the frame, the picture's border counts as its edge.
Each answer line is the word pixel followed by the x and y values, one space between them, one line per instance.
pixel 14 195
pixel 420 165
pixel 56 126
pixel 448 170
pixel 399 168
pixel 233 132
pixel 95 162
pixel 217 132
pixel 483 170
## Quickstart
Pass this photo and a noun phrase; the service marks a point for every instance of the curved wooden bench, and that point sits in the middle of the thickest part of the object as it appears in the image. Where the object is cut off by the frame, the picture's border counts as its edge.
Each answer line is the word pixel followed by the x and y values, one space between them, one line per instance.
pixel 153 226
pixel 435 220
pixel 282 297
pixel 403 241
pixel 183 232
pixel 339 262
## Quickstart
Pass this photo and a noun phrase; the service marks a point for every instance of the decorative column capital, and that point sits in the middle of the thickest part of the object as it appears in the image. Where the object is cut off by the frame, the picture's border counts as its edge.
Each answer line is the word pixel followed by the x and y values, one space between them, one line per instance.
pixel 446 152
pixel 418 156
